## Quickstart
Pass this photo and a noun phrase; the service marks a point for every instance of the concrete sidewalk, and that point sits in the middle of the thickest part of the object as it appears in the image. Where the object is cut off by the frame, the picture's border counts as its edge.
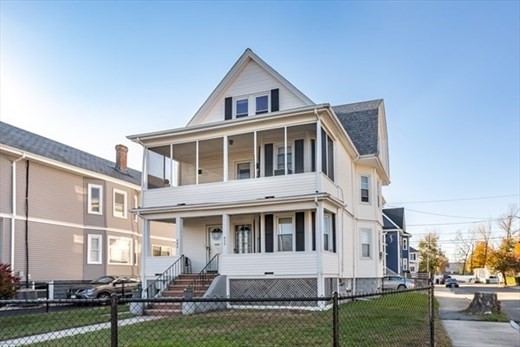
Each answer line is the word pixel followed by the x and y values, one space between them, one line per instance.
pixel 465 331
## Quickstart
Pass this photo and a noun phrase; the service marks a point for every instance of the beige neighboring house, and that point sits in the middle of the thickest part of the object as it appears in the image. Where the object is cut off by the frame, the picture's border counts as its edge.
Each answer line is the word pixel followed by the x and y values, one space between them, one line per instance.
pixel 283 192
pixel 64 213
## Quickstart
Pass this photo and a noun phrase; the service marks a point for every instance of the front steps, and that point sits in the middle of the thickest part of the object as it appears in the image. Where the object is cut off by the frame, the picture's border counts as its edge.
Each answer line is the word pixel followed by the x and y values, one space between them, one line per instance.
pixel 176 290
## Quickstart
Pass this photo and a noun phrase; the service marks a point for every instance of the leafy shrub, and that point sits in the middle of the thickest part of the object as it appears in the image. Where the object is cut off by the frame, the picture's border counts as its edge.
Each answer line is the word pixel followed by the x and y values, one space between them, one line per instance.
pixel 8 282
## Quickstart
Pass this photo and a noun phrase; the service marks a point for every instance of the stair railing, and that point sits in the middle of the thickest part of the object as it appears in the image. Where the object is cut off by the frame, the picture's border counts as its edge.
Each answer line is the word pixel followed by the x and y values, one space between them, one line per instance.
pixel 163 280
pixel 203 277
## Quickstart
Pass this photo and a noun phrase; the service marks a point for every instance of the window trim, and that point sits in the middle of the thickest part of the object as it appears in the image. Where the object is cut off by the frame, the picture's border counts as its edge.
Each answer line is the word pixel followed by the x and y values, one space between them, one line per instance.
pixel 329 232
pixel 235 107
pixel 125 203
pixel 99 261
pixel 405 264
pixel 237 163
pixel 413 257
pixel 89 199
pixel 266 94
pixel 290 166
pixel 367 231
pixel 130 251
pixel 405 244
pixel 293 232
pixel 368 202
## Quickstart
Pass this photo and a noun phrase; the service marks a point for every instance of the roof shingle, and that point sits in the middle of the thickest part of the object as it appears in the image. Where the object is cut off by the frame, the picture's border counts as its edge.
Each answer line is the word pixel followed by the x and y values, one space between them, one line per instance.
pixel 42 146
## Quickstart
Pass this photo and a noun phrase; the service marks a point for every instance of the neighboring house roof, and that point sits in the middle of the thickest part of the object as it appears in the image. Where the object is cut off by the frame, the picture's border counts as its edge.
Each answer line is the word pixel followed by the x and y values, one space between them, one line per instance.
pixel 396 218
pixel 413 250
pixel 32 143
pixel 360 120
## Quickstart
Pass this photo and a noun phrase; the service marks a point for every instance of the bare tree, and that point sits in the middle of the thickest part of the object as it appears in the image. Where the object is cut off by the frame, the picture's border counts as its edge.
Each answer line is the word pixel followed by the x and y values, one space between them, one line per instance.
pixel 504 258
pixel 464 250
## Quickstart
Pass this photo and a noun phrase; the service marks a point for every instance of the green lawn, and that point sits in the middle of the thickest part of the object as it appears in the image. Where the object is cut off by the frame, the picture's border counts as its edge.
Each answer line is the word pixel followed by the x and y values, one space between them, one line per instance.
pixel 391 320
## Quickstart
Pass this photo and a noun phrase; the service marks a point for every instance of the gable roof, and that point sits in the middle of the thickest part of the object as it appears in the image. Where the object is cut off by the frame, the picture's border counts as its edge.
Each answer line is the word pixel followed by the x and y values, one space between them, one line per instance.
pixel 413 250
pixel 360 120
pixel 395 217
pixel 235 71
pixel 44 147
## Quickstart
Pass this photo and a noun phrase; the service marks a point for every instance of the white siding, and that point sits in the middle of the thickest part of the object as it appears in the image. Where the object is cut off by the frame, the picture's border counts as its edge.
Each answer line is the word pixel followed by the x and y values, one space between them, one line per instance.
pixel 259 188
pixel 157 265
pixel 288 263
pixel 195 242
pixel 251 80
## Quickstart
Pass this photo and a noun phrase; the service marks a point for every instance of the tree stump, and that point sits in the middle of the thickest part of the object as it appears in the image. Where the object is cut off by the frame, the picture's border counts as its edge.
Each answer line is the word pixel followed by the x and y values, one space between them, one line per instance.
pixel 484 303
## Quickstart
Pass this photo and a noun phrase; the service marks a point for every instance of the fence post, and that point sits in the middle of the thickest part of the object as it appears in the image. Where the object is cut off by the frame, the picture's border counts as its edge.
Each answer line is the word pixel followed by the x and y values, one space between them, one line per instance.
pixel 432 313
pixel 335 320
pixel 113 320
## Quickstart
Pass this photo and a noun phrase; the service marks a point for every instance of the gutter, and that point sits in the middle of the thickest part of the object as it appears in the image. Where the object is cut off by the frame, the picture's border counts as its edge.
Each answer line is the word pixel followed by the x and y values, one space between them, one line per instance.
pixel 13 210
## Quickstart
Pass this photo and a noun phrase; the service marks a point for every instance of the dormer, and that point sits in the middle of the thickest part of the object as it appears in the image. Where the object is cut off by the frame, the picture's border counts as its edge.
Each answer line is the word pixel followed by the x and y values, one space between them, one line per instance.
pixel 250 88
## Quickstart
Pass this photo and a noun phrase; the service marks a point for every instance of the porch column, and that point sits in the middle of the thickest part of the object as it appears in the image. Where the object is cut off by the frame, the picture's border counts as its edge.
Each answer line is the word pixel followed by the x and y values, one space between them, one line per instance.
pixel 145 249
pixel 225 158
pixel 179 224
pixel 285 150
pixel 197 162
pixel 255 155
pixel 320 225
pixel 318 155
pixel 225 230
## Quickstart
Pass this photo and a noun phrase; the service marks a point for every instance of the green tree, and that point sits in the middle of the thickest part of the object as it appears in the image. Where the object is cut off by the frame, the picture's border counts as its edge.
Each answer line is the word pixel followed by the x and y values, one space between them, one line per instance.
pixel 433 259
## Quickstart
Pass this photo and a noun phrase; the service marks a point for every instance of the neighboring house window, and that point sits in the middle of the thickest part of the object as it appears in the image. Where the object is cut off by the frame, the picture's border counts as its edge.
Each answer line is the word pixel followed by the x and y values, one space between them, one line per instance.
pixel 413 257
pixel 119 250
pixel 119 203
pixel 412 268
pixel 405 264
pixel 95 199
pixel 243 239
pixel 262 104
pixel 366 245
pixel 94 249
pixel 280 161
pixel 364 189
pixel 162 251
pixel 242 108
pixel 285 234
pixel 405 244
pixel 243 171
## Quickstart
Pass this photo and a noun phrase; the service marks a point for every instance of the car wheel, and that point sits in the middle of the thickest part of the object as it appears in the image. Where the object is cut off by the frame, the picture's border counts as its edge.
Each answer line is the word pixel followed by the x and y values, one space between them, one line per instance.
pixel 104 296
pixel 401 287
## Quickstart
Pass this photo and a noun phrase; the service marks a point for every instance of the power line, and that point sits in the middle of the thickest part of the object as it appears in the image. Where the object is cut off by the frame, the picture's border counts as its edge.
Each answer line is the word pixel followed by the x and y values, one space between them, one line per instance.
pixel 455 223
pixel 442 215
pixel 460 199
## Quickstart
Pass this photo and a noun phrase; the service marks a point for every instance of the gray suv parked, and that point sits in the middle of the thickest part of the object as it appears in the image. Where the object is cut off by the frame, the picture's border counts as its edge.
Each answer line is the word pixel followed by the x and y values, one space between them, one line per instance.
pixel 104 286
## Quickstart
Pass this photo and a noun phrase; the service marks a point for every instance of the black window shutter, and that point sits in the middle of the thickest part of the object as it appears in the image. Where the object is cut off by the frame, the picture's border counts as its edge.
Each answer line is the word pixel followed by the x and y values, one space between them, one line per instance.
pixel 228 108
pixel 330 158
pixel 300 231
pixel 323 151
pixel 298 158
pixel 334 233
pixel 269 233
pixel 268 159
pixel 313 231
pixel 275 100
pixel 313 155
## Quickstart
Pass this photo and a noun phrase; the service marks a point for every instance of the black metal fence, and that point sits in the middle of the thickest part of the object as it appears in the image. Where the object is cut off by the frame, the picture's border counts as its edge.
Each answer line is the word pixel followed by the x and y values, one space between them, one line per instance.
pixel 397 318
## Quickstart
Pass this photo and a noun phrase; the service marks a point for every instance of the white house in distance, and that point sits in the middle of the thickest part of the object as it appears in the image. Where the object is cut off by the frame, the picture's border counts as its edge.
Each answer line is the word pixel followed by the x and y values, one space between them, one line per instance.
pixel 278 194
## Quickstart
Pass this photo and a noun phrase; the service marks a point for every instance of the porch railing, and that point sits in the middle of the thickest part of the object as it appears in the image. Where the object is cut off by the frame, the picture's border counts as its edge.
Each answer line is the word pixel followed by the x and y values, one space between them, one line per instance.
pixel 204 277
pixel 163 280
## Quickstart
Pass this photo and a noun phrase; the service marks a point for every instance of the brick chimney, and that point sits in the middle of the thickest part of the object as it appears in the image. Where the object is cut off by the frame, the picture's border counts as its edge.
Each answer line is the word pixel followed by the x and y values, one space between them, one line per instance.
pixel 121 152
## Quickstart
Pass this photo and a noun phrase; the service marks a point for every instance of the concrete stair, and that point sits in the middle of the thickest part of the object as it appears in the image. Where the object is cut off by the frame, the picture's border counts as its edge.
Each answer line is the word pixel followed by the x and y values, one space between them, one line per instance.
pixel 176 290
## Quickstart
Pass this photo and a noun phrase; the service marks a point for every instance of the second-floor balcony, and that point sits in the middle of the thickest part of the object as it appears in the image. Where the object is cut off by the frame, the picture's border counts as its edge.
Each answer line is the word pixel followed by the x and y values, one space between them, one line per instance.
pixel 272 163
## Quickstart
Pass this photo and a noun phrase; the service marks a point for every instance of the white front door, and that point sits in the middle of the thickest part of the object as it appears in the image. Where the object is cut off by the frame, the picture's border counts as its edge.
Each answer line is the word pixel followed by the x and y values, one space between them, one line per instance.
pixel 215 240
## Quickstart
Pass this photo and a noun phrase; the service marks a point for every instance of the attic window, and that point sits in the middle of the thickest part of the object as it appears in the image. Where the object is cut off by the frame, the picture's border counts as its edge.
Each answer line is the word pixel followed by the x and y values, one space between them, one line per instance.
pixel 262 104
pixel 241 108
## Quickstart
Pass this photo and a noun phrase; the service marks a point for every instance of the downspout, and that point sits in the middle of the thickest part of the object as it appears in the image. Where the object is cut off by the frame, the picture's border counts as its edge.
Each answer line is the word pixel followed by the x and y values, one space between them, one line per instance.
pixel 13 200
pixel 27 223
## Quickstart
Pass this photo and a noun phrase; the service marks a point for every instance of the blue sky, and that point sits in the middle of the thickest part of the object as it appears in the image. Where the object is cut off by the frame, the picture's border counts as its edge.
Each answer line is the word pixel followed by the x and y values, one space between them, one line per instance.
pixel 88 73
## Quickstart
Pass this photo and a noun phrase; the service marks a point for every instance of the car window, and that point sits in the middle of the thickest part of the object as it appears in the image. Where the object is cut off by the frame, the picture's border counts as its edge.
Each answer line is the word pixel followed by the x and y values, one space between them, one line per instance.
pixel 103 279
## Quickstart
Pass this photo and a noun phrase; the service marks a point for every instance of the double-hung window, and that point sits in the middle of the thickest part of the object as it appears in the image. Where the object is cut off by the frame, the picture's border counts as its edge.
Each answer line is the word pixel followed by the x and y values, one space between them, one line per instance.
pixel 94 249
pixel 119 198
pixel 327 234
pixel 405 244
pixel 280 161
pixel 366 244
pixel 162 251
pixel 243 171
pixel 327 155
pixel 405 264
pixel 262 104
pixel 242 108
pixel 285 234
pixel 95 199
pixel 119 250
pixel 365 189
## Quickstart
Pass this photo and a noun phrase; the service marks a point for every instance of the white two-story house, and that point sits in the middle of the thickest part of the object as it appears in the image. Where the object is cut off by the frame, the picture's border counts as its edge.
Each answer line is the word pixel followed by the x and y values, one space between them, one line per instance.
pixel 284 192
